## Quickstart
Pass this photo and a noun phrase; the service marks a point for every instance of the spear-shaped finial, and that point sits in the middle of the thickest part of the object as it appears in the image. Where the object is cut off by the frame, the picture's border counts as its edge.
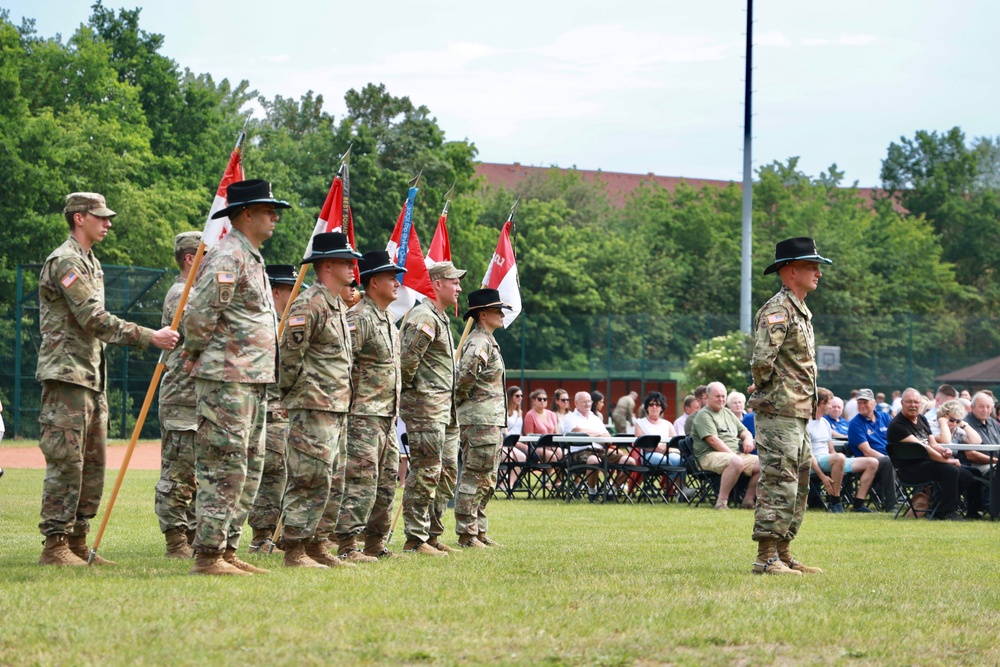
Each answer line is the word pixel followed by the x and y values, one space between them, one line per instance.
pixel 415 181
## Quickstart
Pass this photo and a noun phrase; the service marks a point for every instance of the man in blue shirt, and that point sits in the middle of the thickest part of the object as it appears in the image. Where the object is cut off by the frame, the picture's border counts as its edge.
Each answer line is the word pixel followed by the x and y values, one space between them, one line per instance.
pixel 835 415
pixel 866 436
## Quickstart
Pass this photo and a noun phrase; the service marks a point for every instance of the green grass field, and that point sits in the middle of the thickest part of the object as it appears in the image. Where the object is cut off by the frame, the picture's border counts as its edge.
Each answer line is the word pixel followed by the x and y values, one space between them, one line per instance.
pixel 574 585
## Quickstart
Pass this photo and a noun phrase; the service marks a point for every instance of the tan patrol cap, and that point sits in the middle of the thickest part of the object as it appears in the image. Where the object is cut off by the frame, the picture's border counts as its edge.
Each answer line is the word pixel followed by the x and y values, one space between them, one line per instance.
pixel 88 202
pixel 187 242
pixel 445 270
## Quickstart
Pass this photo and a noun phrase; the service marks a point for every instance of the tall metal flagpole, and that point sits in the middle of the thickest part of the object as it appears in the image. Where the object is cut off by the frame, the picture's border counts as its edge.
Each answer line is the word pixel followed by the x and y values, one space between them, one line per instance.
pixel 746 269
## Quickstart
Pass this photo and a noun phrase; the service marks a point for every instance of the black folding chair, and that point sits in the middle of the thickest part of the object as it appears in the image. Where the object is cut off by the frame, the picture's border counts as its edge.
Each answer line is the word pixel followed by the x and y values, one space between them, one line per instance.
pixel 703 484
pixel 508 466
pixel 903 454
pixel 637 487
pixel 545 477
pixel 575 479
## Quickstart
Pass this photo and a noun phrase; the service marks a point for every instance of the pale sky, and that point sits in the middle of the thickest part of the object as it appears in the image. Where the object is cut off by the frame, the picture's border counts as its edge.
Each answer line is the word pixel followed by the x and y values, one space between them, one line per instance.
pixel 631 86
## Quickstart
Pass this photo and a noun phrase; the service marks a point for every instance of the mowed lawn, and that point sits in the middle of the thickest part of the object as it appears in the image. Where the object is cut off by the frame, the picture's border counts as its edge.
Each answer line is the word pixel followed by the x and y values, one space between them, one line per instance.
pixel 575 584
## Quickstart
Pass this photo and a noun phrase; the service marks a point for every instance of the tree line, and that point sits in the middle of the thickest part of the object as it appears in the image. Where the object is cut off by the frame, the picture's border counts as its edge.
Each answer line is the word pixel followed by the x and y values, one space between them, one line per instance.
pixel 105 111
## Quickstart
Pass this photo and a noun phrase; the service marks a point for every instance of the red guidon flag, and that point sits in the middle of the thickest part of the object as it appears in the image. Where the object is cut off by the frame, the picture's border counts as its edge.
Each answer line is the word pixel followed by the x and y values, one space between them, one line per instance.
pixel 415 284
pixel 331 217
pixel 216 229
pixel 440 250
pixel 501 275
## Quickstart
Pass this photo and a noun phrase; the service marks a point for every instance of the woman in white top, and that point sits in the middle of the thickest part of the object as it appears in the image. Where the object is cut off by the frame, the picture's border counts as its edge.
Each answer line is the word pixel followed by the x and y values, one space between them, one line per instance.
pixel 830 465
pixel 655 424
pixel 515 419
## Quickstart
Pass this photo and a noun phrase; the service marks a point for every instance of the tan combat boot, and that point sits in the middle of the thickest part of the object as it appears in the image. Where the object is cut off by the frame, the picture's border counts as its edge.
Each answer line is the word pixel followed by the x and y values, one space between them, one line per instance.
pixel 78 545
pixel 213 564
pixel 441 546
pixel 488 542
pixel 355 556
pixel 785 554
pixel 377 549
pixel 177 544
pixel 470 542
pixel 768 561
pixel 56 552
pixel 230 557
pixel 190 537
pixel 260 543
pixel 421 549
pixel 295 556
pixel 319 553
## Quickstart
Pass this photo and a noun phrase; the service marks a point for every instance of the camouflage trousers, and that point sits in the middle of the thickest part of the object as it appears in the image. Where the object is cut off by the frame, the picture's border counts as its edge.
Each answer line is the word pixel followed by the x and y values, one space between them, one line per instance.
pixel 481 458
pixel 315 461
pixel 229 457
pixel 175 492
pixel 448 480
pixel 73 422
pixel 785 452
pixel 370 479
pixel 420 493
pixel 267 505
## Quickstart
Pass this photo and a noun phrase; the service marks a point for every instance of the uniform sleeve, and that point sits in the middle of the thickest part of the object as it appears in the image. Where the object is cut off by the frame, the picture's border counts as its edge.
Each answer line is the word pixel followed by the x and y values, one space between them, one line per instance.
pixel 87 307
pixel 415 338
pixel 474 359
pixel 772 325
pixel 360 330
pixel 295 339
pixel 211 294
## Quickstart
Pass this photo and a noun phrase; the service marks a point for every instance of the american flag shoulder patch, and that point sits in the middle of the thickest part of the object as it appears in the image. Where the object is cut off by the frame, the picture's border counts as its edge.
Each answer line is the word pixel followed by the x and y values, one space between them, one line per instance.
pixel 776 318
pixel 225 277
pixel 427 329
pixel 351 326
pixel 70 278
pixel 297 321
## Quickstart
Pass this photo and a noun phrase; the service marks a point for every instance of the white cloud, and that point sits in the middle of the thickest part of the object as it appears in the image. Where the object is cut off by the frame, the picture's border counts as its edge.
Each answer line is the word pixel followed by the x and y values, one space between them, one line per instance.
pixel 843 40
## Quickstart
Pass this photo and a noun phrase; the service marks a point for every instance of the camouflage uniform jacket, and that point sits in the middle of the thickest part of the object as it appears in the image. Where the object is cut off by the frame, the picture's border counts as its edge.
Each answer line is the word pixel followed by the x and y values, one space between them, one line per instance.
pixel 784 358
pixel 316 354
pixel 480 392
pixel 376 360
pixel 74 325
pixel 230 327
pixel 178 405
pixel 426 367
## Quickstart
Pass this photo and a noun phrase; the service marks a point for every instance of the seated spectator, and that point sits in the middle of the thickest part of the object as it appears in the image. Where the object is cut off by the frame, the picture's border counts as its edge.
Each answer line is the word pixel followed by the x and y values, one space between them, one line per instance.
pixel 560 403
pixel 597 399
pixel 723 445
pixel 515 419
pixel 835 415
pixel 691 406
pixel 829 465
pixel 882 406
pixel 582 420
pixel 866 436
pixel 851 407
pixel 701 395
pixel 944 393
pixel 953 427
pixel 911 426
pixel 986 427
pixel 965 395
pixel 623 416
pixel 539 420
pixel 654 424
pixel 897 402
pixel 737 402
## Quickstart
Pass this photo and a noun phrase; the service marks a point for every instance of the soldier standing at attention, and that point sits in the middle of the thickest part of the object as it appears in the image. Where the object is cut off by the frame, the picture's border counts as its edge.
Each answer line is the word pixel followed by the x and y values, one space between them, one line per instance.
pixel 784 399
pixel 426 404
pixel 315 386
pixel 73 418
pixel 178 422
pixel 482 415
pixel 231 343
pixel 372 450
pixel 267 505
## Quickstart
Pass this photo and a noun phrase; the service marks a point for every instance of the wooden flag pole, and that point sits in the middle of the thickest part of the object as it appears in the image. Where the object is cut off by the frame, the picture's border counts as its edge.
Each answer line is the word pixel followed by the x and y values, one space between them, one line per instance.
pixel 154 382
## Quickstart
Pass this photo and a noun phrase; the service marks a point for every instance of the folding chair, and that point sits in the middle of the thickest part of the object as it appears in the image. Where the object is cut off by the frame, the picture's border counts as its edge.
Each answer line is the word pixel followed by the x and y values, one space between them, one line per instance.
pixel 665 480
pixel 575 479
pixel 704 484
pixel 901 454
pixel 637 488
pixel 508 465
pixel 545 477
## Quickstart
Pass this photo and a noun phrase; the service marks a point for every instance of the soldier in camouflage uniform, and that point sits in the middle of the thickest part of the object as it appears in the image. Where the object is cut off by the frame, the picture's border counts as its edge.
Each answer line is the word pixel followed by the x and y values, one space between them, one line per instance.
pixel 73 417
pixel 372 450
pixel 482 415
pixel 426 404
pixel 267 505
pixel 315 386
pixel 231 343
pixel 784 399
pixel 178 422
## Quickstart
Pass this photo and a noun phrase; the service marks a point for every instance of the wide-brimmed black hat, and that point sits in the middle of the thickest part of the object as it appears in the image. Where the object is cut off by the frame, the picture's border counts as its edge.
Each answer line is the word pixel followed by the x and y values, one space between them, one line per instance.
pixel 377 261
pixel 331 245
pixel 281 274
pixel 791 250
pixel 246 193
pixel 484 298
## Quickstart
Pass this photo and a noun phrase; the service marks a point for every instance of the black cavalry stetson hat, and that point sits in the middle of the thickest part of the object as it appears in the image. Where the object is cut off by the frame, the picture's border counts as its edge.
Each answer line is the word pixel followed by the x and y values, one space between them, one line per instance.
pixel 246 193
pixel 791 250
pixel 331 245
pixel 281 274
pixel 484 298
pixel 377 261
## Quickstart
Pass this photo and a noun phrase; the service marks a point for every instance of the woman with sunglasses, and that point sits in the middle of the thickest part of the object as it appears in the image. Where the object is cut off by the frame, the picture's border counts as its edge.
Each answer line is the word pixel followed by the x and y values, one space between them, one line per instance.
pixel 539 420
pixel 562 407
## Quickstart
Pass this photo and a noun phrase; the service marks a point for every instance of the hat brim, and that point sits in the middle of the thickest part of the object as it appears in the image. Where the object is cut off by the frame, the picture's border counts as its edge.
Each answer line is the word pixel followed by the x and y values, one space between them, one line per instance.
pixel 385 268
pixel 333 254
pixel 496 304
pixel 282 281
pixel 788 260
pixel 224 212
